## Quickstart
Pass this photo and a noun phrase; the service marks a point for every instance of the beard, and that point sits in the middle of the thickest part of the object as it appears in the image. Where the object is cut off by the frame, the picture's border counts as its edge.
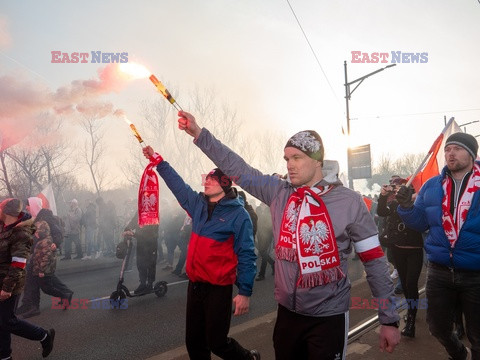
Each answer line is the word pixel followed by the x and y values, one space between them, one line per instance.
pixel 458 166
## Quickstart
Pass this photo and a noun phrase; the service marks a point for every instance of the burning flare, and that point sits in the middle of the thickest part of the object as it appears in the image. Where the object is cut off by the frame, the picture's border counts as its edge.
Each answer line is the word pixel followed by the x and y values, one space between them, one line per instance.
pixel 136 71
pixel 135 131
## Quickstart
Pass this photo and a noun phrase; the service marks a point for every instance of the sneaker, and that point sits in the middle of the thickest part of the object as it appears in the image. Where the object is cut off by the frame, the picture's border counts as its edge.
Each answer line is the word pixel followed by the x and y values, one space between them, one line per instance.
pixel 394 274
pixel 254 355
pixel 260 278
pixel 183 276
pixel 98 254
pixel 47 343
pixel 140 289
pixel 168 268
pixel 87 257
pixel 30 313
pixel 175 272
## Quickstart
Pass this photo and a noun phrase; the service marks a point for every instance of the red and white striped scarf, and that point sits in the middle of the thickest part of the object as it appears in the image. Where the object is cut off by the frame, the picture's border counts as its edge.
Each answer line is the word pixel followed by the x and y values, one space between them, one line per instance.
pixel 452 224
pixel 307 237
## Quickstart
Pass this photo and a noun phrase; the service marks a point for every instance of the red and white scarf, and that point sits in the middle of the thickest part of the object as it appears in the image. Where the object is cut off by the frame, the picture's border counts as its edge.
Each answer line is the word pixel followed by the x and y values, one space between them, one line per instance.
pixel 452 224
pixel 148 194
pixel 307 237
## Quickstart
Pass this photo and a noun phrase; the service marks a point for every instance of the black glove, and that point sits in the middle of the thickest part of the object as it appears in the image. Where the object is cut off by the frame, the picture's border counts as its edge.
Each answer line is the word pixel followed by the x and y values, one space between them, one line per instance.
pixel 404 196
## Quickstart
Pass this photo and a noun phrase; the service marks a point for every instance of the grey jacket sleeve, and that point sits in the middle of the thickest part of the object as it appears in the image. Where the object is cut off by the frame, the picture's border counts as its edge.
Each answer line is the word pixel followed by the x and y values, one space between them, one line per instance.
pixel 363 233
pixel 263 187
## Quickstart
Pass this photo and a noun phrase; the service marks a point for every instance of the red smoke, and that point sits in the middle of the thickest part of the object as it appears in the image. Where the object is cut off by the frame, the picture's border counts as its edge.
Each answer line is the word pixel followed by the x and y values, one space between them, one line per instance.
pixel 22 102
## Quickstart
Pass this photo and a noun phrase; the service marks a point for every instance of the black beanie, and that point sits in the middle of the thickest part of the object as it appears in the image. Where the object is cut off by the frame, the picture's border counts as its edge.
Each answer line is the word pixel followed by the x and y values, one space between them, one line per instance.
pixel 11 206
pixel 467 141
pixel 309 142
pixel 223 180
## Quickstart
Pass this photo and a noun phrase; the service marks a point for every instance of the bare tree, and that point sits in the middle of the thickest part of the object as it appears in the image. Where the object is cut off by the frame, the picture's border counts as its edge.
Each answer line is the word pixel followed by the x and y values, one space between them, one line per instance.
pixel 5 179
pixel 93 151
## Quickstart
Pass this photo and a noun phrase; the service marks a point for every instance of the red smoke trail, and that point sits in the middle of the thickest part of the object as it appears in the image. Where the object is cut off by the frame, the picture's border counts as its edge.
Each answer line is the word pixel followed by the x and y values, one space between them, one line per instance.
pixel 22 102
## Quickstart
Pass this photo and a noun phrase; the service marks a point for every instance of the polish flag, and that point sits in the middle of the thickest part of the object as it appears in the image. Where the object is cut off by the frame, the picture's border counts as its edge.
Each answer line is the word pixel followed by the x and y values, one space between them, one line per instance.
pixel 44 200
pixel 435 156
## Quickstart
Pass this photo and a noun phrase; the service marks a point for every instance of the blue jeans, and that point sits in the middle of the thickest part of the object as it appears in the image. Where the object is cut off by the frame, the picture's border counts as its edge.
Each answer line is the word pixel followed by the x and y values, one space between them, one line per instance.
pixel 443 288
pixel 10 324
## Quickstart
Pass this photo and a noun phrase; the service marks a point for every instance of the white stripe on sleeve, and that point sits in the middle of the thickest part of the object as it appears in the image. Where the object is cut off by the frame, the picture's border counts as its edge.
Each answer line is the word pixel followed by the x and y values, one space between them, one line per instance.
pixel 366 244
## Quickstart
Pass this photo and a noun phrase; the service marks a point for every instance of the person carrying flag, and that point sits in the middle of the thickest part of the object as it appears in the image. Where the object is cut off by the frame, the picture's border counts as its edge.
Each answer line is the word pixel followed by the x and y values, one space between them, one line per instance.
pixel 448 207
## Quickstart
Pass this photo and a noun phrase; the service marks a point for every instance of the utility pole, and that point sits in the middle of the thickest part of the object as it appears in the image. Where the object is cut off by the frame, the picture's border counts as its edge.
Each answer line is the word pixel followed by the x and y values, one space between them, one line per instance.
pixel 348 94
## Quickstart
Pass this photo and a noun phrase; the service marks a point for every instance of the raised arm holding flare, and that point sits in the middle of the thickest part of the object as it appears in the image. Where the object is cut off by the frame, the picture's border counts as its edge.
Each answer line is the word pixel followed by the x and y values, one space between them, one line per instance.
pixel 316 221
pixel 220 253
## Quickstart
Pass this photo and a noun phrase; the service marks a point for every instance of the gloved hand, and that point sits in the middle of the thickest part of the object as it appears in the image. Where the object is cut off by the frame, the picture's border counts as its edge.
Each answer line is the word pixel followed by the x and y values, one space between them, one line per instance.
pixel 404 196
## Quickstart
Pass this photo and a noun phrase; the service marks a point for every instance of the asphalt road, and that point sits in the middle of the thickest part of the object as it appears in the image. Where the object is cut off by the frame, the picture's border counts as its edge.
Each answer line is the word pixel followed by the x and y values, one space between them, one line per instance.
pixel 149 325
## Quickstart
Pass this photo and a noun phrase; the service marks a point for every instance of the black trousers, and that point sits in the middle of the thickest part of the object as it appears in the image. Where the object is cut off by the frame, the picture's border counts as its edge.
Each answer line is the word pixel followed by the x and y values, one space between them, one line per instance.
pixel 10 324
pixel 147 260
pixel 31 291
pixel 209 311
pixel 445 288
pixel 51 285
pixel 300 337
pixel 409 263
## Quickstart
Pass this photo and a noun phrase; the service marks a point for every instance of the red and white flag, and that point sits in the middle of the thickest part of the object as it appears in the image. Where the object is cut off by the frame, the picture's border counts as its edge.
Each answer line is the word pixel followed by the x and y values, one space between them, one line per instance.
pixel 436 161
pixel 44 200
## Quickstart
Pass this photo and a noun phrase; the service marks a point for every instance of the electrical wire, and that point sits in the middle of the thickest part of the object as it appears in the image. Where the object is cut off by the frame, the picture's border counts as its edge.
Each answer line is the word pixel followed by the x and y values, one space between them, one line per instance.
pixel 313 52
pixel 411 114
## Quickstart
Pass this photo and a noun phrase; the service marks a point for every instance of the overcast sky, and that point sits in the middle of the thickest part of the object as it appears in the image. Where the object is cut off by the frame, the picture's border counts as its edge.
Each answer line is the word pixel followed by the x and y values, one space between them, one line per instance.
pixel 255 55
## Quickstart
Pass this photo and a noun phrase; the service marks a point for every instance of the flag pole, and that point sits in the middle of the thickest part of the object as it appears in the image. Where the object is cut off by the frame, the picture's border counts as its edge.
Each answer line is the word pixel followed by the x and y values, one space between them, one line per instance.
pixel 430 152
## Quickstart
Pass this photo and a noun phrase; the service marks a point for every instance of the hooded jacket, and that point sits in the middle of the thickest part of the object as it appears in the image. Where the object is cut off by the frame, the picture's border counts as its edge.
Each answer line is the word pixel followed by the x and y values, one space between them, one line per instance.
pixel 15 244
pixel 43 259
pixel 221 249
pixel 352 223
pixel 426 214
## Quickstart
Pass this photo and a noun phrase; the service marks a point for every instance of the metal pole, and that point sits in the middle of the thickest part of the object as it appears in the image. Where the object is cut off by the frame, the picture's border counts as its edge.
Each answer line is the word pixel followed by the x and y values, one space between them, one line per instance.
pixel 347 98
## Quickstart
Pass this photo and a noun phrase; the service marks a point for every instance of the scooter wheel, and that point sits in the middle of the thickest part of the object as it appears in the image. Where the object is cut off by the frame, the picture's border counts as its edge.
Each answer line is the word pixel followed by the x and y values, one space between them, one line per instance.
pixel 118 295
pixel 160 288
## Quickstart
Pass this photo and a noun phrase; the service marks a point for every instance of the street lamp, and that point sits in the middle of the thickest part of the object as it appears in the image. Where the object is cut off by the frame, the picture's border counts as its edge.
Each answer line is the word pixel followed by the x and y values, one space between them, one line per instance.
pixel 465 125
pixel 348 94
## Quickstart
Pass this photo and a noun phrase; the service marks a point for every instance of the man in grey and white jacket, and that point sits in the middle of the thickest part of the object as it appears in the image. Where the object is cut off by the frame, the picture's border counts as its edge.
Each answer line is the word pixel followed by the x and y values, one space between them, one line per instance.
pixel 316 221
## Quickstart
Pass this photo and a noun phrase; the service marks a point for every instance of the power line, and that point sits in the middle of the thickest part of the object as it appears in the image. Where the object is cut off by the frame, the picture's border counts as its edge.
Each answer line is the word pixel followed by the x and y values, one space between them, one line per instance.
pixel 412 114
pixel 313 51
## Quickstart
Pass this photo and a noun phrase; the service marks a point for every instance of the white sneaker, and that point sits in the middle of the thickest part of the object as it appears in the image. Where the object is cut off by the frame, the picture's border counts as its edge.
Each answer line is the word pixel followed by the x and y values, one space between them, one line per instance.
pixel 87 257
pixel 394 274
pixel 98 254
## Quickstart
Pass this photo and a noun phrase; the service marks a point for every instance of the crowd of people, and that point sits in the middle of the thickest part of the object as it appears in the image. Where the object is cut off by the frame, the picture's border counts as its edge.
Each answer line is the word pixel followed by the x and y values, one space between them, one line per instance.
pixel 305 228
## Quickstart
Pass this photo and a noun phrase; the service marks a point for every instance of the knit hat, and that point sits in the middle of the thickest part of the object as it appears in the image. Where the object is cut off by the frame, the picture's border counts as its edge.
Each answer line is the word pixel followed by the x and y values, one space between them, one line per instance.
pixel 11 206
pixel 467 141
pixel 309 142
pixel 223 180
